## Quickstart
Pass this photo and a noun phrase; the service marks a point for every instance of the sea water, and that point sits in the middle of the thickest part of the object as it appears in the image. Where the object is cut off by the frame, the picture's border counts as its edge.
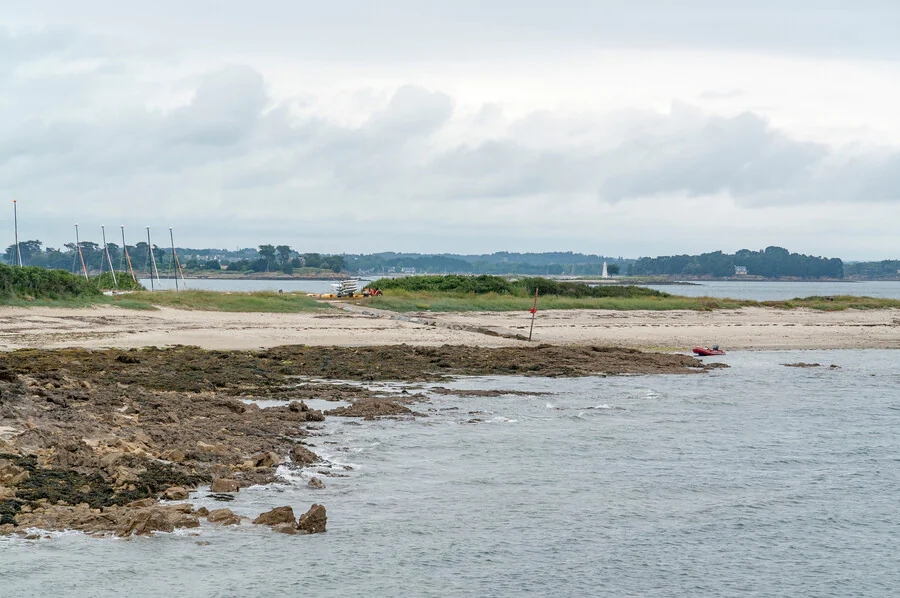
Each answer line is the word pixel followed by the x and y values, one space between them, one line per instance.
pixel 757 480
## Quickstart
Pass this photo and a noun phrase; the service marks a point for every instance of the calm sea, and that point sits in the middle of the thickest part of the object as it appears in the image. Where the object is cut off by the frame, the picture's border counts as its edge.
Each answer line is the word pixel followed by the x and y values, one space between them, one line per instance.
pixel 758 480
pixel 778 291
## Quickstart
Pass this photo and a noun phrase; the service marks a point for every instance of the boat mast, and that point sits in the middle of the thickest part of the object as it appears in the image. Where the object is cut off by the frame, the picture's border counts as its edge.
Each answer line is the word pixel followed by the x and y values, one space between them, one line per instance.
pixel 152 262
pixel 16 227
pixel 175 265
pixel 80 255
pixel 109 258
pixel 127 257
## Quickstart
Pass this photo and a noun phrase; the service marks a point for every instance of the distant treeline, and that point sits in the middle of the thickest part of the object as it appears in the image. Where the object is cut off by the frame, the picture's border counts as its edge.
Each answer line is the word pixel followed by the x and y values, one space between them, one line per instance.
pixel 772 262
pixel 885 269
pixel 266 258
pixel 502 262
pixel 523 287
pixel 35 254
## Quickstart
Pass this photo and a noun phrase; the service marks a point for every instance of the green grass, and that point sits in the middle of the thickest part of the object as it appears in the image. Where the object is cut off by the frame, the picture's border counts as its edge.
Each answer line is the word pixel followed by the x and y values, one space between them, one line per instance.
pixel 836 303
pixel 405 301
pixel 408 301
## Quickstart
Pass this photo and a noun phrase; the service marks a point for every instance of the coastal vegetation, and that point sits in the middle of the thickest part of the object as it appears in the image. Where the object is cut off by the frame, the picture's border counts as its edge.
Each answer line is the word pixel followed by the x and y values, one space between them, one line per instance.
pixel 772 262
pixel 491 293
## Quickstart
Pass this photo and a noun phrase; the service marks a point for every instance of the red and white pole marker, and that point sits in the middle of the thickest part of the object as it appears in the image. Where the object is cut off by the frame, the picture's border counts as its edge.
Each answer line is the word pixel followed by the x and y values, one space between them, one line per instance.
pixel 533 311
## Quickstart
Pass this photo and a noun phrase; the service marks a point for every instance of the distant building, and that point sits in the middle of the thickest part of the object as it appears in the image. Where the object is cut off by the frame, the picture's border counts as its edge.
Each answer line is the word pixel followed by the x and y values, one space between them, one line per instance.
pixel 408 270
pixel 740 270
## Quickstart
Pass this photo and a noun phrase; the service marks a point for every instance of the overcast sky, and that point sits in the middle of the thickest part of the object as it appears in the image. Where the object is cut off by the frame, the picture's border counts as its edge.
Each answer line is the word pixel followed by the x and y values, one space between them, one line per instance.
pixel 458 126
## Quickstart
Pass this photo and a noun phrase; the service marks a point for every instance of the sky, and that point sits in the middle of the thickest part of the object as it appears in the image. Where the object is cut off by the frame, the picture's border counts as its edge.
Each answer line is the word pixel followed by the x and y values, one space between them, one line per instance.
pixel 624 129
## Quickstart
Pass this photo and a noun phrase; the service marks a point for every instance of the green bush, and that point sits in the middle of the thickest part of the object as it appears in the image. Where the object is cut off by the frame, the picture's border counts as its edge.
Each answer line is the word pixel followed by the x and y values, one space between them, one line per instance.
pixel 40 283
pixel 484 284
pixel 123 279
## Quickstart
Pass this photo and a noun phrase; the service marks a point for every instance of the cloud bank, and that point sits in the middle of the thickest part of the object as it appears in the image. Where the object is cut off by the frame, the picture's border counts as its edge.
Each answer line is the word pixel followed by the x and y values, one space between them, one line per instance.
pixel 88 134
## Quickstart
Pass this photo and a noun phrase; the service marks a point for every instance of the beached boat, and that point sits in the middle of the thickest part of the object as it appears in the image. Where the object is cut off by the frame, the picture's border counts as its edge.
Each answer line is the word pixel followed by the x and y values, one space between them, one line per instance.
pixel 705 351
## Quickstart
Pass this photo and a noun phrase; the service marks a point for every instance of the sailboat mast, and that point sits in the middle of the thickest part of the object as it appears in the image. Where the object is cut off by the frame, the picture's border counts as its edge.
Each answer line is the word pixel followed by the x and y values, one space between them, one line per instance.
pixel 174 260
pixel 179 270
pixel 127 257
pixel 16 227
pixel 109 258
pixel 80 255
pixel 151 263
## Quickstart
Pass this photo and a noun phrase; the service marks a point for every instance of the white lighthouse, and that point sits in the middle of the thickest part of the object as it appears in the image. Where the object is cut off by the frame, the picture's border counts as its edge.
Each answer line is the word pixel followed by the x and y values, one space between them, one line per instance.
pixel 605 273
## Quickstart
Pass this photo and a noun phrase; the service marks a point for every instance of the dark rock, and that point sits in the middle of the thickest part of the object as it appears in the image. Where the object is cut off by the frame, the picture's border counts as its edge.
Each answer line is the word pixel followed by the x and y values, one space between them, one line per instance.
pixel 276 516
pixel 300 455
pixel 313 521
pixel 316 483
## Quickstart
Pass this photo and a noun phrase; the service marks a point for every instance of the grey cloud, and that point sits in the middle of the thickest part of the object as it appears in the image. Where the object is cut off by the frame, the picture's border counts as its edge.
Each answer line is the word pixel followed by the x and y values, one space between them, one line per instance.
pixel 232 152
pixel 226 108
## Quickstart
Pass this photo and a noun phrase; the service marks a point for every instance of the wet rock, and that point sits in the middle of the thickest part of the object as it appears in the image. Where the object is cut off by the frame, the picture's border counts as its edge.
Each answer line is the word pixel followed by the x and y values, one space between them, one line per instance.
pixel 7 375
pixel 276 516
pixel 801 364
pixel 223 517
pixel 300 455
pixel 316 483
pixel 285 528
pixel 143 503
pixel 143 522
pixel 11 474
pixel 314 415
pixel 224 485
pixel 175 456
pixel 7 492
pixel 313 521
pixel 266 459
pixel 202 512
pixel 176 493
pixel 371 408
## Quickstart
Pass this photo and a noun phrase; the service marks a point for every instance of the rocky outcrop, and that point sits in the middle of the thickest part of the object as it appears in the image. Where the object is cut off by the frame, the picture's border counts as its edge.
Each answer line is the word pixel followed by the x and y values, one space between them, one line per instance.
pixel 223 517
pixel 371 408
pixel 224 485
pixel 143 522
pixel 176 493
pixel 300 455
pixel 313 521
pixel 316 483
pixel 276 516
pixel 265 459
pixel 139 518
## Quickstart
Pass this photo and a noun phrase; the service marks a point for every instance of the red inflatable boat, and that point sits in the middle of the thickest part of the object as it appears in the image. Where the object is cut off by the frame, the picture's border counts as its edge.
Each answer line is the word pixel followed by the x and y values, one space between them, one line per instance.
pixel 704 351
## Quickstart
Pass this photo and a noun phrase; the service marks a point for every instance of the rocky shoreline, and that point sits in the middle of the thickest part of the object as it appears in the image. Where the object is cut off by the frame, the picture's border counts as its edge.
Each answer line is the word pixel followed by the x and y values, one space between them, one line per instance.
pixel 93 440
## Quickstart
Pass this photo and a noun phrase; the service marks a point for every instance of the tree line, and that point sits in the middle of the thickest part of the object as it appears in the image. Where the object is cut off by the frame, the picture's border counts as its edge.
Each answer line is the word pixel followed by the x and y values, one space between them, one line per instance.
pixel 35 254
pixel 772 262
pixel 267 258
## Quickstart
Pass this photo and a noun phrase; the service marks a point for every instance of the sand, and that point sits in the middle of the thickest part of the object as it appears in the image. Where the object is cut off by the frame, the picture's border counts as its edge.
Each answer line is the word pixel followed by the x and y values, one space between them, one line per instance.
pixel 747 329
pixel 743 329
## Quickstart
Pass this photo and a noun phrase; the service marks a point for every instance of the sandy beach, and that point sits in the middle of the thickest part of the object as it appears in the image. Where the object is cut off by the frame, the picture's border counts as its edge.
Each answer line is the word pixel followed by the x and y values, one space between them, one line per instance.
pixel 743 329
